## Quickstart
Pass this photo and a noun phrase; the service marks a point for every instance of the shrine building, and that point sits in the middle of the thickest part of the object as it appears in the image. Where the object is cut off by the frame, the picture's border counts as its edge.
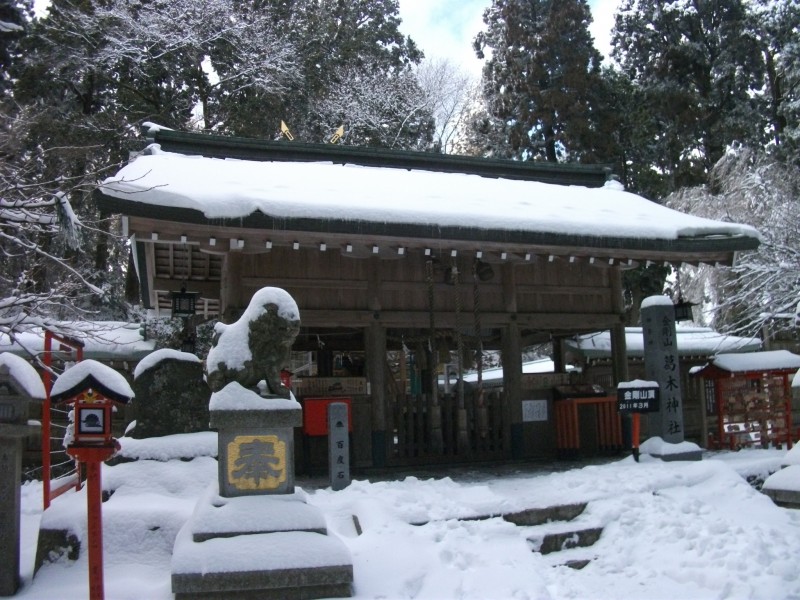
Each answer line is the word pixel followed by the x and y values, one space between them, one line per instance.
pixel 402 263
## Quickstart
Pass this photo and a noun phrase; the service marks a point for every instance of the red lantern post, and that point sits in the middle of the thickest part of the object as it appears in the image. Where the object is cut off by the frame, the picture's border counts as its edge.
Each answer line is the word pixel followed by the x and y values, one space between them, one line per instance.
pixel 93 389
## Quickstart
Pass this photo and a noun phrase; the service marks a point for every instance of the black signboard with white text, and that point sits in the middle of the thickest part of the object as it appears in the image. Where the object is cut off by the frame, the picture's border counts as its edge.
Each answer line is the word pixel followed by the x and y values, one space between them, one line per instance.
pixel 638 399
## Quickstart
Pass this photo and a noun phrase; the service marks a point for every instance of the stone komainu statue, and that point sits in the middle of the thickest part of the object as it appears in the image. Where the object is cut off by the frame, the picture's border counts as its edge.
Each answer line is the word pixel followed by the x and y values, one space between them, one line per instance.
pixel 257 346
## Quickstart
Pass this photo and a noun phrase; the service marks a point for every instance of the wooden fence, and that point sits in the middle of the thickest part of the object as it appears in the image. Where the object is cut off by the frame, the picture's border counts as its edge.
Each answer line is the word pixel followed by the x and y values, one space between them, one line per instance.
pixel 427 433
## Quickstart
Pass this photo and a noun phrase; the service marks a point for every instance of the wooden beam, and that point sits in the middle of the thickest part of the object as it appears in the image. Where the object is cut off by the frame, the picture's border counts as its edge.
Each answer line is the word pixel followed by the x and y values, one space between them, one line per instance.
pixel 207 289
pixel 199 233
pixel 447 320
pixel 411 286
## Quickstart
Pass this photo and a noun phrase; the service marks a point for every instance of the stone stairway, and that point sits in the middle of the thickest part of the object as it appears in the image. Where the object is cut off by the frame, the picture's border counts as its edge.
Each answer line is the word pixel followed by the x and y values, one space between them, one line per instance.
pixel 551 531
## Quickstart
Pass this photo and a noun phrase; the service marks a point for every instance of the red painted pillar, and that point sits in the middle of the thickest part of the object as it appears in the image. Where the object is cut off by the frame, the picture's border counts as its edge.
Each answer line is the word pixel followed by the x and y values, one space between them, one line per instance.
pixel 94 513
pixel 48 385
pixel 635 429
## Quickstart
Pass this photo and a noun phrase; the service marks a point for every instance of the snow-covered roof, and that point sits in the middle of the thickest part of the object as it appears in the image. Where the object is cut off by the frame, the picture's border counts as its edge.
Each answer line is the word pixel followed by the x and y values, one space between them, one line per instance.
pixel 541 365
pixel 692 341
pixel 103 340
pixel 421 203
pixel 91 374
pixel 773 360
pixel 23 375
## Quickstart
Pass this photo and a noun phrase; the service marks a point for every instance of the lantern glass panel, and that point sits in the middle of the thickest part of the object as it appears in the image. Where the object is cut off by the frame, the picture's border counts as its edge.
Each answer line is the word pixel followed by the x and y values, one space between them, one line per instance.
pixel 683 311
pixel 183 304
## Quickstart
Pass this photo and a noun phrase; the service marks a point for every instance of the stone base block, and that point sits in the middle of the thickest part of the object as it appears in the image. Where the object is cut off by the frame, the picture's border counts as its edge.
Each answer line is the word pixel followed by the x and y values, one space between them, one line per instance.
pixel 55 543
pixel 785 498
pixel 691 455
pixel 288 565
pixel 784 487
pixel 216 516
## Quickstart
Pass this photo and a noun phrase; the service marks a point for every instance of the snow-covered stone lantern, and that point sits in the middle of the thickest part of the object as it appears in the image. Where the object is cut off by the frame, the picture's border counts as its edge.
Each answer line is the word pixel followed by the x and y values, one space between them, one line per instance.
pixel 20 385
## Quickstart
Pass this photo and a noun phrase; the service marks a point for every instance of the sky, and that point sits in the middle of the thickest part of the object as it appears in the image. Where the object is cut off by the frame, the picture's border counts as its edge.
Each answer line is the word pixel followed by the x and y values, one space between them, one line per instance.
pixel 670 529
pixel 446 28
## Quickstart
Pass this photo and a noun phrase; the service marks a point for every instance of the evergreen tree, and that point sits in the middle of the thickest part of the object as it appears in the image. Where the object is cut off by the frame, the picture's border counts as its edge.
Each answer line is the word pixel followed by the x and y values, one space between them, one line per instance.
pixel 341 45
pixel 697 65
pixel 13 16
pixel 775 24
pixel 540 77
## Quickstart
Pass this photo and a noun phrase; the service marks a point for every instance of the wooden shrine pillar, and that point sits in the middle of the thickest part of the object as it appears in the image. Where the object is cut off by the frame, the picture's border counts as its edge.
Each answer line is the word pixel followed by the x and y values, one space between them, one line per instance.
pixel 231 301
pixel 619 350
pixel 511 355
pixel 375 346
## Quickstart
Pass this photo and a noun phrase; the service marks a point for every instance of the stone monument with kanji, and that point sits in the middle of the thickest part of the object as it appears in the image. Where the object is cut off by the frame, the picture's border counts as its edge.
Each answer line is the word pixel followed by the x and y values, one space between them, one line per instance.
pixel 252 515
pixel 249 407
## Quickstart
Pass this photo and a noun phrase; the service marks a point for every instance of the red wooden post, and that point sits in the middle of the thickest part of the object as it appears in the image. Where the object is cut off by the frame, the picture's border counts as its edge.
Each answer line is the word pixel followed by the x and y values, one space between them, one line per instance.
pixel 48 385
pixel 94 513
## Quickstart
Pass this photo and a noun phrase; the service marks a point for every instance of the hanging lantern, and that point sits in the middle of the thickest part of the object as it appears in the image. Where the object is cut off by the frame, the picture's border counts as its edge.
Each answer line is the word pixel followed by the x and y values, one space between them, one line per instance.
pixel 483 270
pixel 184 303
pixel 683 310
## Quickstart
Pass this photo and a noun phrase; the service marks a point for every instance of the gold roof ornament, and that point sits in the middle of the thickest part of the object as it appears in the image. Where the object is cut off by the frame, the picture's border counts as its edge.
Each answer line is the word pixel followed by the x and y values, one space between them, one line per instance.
pixel 285 132
pixel 337 135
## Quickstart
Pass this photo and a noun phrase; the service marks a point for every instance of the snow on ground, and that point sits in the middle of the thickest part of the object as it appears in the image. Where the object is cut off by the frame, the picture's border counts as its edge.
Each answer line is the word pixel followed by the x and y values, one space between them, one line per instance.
pixel 671 530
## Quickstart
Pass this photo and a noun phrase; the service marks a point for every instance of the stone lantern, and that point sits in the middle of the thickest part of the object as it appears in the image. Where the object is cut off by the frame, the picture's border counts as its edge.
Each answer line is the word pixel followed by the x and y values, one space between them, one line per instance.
pixel 19 386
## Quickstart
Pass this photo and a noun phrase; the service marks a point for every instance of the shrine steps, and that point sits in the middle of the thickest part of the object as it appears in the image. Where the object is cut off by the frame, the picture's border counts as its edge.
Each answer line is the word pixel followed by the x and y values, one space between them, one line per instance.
pixel 548 530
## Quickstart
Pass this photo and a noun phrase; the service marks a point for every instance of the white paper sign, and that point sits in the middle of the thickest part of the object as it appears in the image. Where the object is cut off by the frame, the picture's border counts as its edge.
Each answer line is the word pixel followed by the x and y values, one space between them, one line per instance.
pixel 534 410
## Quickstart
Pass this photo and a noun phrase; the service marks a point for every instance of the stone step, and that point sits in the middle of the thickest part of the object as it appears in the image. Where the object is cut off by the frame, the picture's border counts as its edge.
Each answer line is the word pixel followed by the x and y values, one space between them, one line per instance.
pixel 782 487
pixel 285 565
pixel 549 542
pixel 525 518
pixel 539 516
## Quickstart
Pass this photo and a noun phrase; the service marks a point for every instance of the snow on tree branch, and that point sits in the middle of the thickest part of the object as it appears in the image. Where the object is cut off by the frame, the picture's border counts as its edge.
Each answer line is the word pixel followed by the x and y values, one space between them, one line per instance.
pixel 764 285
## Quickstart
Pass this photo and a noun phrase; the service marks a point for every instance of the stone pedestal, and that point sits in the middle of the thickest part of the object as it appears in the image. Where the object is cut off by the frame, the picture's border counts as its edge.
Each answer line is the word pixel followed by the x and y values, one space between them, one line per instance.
pixel 253 536
pixel 256 441
pixel 260 547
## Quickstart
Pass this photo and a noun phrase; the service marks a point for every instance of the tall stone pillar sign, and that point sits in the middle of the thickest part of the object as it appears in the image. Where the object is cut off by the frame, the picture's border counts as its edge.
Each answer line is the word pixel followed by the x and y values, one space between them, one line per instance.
pixel 338 446
pixel 19 385
pixel 661 365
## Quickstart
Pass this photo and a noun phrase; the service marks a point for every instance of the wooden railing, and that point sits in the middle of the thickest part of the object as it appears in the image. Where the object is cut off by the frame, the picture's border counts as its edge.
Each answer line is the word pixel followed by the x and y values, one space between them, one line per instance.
pixel 428 433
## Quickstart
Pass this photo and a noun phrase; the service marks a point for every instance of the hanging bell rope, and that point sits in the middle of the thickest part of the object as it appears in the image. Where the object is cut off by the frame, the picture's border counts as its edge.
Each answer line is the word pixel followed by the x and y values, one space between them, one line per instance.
pixel 433 363
pixel 477 323
pixel 459 339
